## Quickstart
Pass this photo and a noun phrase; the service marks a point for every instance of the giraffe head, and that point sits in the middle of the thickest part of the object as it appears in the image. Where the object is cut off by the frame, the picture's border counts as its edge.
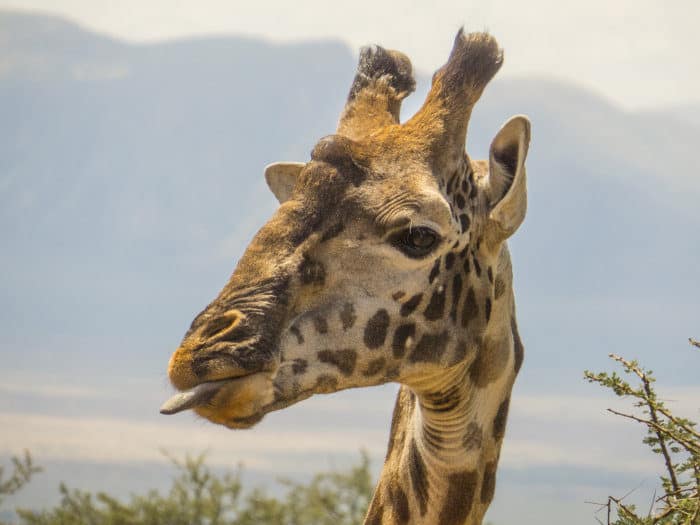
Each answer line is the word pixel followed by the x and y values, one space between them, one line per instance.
pixel 381 263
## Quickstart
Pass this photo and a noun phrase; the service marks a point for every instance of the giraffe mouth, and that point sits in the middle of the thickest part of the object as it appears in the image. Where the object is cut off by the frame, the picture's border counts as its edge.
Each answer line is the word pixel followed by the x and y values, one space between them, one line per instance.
pixel 192 398
pixel 236 402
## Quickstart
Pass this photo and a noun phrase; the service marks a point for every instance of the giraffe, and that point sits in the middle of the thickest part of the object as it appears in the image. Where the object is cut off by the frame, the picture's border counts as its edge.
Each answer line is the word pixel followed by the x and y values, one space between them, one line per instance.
pixel 386 261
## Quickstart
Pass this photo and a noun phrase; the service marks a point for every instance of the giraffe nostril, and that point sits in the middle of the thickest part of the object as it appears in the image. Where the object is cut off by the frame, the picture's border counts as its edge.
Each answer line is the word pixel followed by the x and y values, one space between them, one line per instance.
pixel 220 324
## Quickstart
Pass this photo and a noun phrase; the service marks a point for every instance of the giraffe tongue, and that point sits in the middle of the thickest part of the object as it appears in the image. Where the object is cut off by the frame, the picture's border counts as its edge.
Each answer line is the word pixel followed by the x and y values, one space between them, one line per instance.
pixel 191 398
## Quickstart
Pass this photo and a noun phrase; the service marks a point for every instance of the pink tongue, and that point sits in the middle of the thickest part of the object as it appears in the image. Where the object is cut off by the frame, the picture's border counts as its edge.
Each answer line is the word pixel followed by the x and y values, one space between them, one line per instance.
pixel 191 398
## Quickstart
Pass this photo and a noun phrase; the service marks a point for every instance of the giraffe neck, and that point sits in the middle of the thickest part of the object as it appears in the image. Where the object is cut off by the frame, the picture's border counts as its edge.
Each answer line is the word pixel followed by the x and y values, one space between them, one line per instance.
pixel 444 445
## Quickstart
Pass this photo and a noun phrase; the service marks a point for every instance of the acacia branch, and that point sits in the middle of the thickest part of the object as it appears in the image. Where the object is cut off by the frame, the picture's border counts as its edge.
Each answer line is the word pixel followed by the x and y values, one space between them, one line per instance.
pixel 676 421
pixel 660 433
pixel 691 447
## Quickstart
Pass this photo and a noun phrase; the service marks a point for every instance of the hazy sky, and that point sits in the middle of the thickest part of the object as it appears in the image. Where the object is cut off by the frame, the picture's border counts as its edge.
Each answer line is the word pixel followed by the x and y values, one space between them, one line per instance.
pixel 640 53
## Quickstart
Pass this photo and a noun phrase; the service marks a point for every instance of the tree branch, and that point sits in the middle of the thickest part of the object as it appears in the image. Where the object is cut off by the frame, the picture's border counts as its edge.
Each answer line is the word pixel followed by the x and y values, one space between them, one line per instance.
pixel 648 399
pixel 691 447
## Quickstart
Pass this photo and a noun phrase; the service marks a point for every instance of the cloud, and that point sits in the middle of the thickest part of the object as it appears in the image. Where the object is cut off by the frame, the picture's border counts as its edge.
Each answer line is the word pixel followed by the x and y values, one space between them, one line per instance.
pixel 47 390
pixel 543 431
pixel 112 440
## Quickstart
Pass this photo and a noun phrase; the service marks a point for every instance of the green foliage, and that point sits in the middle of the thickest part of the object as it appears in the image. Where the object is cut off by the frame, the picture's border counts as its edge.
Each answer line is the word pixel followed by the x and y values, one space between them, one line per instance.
pixel 674 439
pixel 22 471
pixel 199 497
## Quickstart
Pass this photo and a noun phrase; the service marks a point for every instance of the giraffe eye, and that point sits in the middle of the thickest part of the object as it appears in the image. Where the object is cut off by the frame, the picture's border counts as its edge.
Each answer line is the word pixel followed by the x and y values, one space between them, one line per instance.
pixel 415 242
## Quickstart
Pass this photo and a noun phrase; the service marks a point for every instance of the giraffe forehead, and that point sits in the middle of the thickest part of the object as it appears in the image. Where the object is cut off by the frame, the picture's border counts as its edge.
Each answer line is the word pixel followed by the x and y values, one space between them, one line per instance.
pixel 389 193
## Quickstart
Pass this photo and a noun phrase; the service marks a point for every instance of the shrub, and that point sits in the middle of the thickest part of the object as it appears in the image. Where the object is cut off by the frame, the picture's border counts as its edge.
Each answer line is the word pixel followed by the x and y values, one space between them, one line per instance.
pixel 674 439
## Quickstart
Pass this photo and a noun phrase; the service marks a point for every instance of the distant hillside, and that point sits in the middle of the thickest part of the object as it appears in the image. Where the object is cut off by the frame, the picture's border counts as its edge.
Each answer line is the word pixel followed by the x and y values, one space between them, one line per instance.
pixel 131 178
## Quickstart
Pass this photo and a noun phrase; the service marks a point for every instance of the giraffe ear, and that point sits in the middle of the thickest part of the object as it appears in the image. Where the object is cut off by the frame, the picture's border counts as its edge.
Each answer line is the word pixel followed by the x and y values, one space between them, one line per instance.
pixel 506 182
pixel 281 177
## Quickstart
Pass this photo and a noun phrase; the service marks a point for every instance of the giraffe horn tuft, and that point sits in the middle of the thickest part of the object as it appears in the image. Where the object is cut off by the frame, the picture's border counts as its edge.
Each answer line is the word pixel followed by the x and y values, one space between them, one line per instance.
pixel 383 79
pixel 457 86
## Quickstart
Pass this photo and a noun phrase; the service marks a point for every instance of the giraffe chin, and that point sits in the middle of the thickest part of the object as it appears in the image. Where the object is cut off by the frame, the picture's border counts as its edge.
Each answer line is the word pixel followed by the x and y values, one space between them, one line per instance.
pixel 235 403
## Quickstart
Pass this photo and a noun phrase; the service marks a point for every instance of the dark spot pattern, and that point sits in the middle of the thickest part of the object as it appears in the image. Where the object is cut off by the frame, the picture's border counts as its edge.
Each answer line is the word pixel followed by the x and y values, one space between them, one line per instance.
pixel 374 367
pixel 397 295
pixel 498 288
pixel 402 405
pixel 461 488
pixel 401 335
pixel 470 310
pixel 519 350
pixel 325 384
pixel 466 266
pixel 392 373
pixel 459 201
pixel 449 260
pixel 464 222
pixel 430 348
pixel 299 366
pixel 477 267
pixel 297 333
pixel 401 509
pixel 489 273
pixel 473 437
pixel 460 352
pixel 311 271
pixel 375 331
pixel 410 306
pixel 375 512
pixel 488 484
pixel 499 422
pixel 419 478
pixel 347 316
pixel 434 272
pixel 487 309
pixel 333 231
pixel 436 306
pixel 344 360
pixel 456 295
pixel 320 324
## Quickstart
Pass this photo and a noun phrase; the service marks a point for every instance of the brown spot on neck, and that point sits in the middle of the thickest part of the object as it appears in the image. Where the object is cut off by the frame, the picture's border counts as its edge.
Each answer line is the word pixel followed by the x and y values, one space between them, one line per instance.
pixel 458 502
pixel 419 477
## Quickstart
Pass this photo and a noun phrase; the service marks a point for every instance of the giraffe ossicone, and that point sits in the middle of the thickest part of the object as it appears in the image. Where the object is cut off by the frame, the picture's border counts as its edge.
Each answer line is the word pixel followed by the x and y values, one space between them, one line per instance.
pixel 386 261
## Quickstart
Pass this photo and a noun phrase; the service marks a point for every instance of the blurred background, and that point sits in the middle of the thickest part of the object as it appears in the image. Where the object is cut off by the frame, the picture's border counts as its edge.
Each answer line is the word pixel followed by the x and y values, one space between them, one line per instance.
pixel 133 136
